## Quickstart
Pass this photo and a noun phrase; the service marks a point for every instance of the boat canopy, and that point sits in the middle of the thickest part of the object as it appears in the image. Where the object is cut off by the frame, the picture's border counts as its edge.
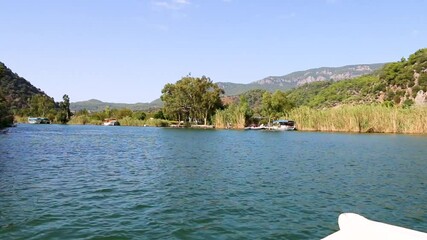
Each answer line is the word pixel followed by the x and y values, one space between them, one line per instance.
pixel 283 121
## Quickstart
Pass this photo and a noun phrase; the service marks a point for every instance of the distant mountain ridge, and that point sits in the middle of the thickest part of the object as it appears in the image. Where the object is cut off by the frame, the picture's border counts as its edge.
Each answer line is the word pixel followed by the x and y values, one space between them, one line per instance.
pixel 299 78
pixel 271 83
pixel 95 105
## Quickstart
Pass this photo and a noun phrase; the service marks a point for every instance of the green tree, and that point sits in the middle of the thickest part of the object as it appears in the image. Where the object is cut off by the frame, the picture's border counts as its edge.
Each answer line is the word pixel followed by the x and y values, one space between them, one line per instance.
pixel 254 98
pixel 280 103
pixel 191 99
pixel 210 99
pixel 41 105
pixel 275 105
pixel 124 112
pixel 159 115
pixel 107 113
pixel 266 106
pixel 64 114
pixel 140 115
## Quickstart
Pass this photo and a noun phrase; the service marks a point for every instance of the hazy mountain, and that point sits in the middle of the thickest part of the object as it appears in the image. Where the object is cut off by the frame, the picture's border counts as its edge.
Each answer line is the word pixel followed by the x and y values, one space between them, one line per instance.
pixel 271 83
pixel 95 105
pixel 299 78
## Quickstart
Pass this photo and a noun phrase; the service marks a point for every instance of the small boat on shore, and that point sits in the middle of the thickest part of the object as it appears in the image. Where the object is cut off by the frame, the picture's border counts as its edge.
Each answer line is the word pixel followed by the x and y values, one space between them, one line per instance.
pixel 353 226
pixel 38 120
pixel 283 125
pixel 260 127
pixel 111 122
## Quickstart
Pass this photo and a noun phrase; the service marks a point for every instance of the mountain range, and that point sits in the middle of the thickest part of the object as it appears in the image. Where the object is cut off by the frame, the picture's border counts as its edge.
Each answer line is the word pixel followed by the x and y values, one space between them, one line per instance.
pixel 299 78
pixel 95 105
pixel 18 90
pixel 270 83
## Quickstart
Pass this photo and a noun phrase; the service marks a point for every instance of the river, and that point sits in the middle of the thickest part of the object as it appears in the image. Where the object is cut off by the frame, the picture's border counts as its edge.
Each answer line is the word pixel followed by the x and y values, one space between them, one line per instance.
pixel 96 182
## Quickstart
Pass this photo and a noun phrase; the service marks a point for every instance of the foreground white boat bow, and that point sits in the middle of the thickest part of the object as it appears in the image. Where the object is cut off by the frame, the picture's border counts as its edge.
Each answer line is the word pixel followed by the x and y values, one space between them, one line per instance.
pixel 354 226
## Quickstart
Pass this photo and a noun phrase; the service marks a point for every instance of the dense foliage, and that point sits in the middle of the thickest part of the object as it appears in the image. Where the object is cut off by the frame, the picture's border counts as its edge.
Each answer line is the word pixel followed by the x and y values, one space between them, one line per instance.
pixel 17 91
pixel 404 79
pixel 396 84
pixel 43 106
pixel 125 116
pixel 275 105
pixel 360 90
pixel 254 99
pixel 191 99
pixel 6 116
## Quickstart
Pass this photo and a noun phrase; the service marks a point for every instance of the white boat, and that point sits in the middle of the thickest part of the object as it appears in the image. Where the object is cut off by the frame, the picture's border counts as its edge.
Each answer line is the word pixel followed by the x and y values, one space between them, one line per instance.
pixel 38 120
pixel 111 122
pixel 353 226
pixel 260 127
pixel 283 125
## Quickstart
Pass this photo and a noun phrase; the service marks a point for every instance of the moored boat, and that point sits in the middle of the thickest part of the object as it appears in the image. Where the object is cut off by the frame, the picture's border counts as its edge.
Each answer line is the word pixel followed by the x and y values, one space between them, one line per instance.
pixel 260 127
pixel 111 122
pixel 38 120
pixel 283 125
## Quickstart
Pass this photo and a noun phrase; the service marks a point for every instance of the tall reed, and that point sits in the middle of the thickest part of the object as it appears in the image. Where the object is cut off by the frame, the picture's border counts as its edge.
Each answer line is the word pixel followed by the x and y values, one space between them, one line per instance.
pixel 84 120
pixel 229 118
pixel 363 118
pixel 126 121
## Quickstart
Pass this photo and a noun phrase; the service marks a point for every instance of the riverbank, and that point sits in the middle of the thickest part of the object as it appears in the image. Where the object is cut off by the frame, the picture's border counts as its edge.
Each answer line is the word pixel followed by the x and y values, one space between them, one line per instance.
pixel 357 119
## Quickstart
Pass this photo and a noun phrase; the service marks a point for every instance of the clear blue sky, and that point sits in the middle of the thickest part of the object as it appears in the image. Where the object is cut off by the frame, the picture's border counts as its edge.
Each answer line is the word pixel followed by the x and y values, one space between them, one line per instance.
pixel 127 50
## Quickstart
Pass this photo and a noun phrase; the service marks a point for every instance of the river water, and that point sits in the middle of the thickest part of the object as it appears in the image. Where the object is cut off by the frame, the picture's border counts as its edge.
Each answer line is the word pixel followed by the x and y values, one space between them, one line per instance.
pixel 96 182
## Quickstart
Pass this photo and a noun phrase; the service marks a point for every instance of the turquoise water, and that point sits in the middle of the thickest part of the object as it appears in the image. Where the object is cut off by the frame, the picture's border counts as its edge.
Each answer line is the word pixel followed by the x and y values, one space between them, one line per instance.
pixel 95 182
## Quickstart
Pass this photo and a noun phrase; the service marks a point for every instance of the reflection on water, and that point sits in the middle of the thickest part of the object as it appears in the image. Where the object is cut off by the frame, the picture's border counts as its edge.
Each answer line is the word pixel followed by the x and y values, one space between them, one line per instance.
pixel 84 182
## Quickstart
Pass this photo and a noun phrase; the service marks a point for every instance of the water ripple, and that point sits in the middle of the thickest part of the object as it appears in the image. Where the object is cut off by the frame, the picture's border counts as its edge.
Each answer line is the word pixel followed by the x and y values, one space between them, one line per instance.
pixel 94 182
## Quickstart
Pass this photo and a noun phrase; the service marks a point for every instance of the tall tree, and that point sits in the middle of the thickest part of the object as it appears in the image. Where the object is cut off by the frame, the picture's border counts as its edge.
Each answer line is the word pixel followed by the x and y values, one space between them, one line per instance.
pixel 280 103
pixel 266 107
pixel 41 105
pixel 211 98
pixel 64 113
pixel 191 99
pixel 275 105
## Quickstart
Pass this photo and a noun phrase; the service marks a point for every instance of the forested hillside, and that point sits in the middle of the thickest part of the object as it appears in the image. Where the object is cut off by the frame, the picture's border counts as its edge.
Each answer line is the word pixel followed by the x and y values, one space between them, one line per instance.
pixel 400 83
pixel 6 116
pixel 17 91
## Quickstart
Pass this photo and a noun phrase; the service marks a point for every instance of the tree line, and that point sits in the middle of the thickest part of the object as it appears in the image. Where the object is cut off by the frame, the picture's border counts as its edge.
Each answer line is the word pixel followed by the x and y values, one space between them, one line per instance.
pixel 41 105
pixel 194 100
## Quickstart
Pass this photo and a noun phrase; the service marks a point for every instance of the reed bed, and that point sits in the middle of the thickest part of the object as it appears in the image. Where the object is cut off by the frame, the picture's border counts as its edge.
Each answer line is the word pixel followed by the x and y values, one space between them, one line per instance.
pixel 229 118
pixel 84 120
pixel 126 121
pixel 363 118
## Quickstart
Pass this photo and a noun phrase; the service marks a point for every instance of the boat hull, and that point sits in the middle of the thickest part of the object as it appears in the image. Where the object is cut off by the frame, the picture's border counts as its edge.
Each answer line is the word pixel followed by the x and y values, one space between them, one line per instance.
pixel 354 226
